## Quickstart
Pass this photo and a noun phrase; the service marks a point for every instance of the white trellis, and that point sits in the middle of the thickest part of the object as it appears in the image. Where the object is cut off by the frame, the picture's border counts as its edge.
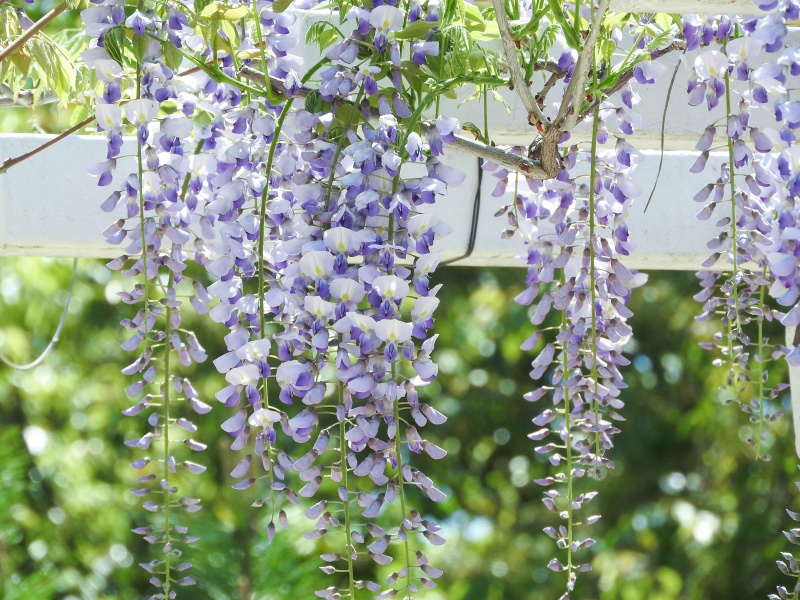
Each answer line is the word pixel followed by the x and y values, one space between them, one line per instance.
pixel 49 206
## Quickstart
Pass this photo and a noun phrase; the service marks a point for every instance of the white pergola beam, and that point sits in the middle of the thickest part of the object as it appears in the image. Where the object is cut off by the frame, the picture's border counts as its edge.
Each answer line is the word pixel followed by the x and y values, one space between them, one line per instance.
pixel 49 206
pixel 689 7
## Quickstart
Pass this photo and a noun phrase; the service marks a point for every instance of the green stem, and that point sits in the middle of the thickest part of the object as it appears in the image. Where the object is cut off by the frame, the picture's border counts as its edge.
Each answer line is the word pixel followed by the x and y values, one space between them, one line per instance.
pixel 347 526
pixel 761 359
pixel 165 425
pixel 568 443
pixel 592 257
pixel 265 194
pixel 624 64
pixel 400 487
pixel 734 325
pixel 486 117
pixel 261 238
pixel 261 44
pixel 732 183
pixel 340 146
pixel 219 76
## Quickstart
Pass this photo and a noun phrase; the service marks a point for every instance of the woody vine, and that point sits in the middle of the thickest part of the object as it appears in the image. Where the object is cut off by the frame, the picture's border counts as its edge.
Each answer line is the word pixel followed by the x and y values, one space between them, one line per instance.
pixel 302 189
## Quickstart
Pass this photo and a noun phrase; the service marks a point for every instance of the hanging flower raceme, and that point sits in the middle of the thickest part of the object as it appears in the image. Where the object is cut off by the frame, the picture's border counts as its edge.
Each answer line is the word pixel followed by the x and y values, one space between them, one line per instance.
pixel 348 347
pixel 315 213
pixel 789 566
pixel 575 240
pixel 162 207
pixel 750 238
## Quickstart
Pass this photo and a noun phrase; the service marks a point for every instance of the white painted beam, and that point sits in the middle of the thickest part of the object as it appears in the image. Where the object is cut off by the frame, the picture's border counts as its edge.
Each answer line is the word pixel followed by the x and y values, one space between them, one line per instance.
pixel 689 7
pixel 49 206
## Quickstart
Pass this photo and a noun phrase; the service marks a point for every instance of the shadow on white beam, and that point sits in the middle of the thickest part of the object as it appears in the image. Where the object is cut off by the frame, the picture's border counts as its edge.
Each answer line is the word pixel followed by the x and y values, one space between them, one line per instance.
pixel 689 7
pixel 49 206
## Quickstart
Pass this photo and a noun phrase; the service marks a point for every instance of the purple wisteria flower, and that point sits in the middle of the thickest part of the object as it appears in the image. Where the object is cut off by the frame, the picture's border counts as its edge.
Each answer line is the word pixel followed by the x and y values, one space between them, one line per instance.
pixel 756 183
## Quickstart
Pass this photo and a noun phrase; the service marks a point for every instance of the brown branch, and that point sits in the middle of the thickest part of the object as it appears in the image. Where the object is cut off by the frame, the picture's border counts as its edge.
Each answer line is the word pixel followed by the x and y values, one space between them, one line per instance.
pixel 541 95
pixel 31 31
pixel 503 157
pixel 626 77
pixel 12 162
pixel 531 167
pixel 535 115
pixel 573 96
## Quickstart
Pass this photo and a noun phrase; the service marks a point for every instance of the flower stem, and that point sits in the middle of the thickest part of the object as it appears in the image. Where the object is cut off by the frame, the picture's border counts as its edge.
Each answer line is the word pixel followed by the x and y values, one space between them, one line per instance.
pixel 760 359
pixel 732 315
pixel 592 272
pixel 165 425
pixel 567 443
pixel 347 526
pixel 400 487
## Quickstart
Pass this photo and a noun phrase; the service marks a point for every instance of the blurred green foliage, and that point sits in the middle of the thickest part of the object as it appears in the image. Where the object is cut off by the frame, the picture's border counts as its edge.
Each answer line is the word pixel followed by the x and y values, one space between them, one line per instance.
pixel 687 513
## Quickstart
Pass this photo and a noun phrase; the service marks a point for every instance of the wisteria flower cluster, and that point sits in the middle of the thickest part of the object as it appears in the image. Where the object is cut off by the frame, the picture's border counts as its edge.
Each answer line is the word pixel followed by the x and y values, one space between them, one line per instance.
pixel 310 220
pixel 307 190
pixel 757 185
pixel 749 76
pixel 577 240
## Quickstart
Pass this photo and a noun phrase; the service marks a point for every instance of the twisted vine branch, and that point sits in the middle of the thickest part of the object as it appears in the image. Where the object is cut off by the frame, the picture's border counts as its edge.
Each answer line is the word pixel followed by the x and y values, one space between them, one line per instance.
pixel 535 115
pixel 533 167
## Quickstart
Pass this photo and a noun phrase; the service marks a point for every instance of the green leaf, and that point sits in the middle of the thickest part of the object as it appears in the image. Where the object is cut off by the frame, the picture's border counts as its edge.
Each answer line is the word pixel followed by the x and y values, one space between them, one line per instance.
pixel 140 43
pixel 236 13
pixel 490 32
pixel 569 33
pixel 281 5
pixel 616 19
pixel 474 130
pixel 22 63
pixel 663 20
pixel 114 42
pixel 314 31
pixel 414 75
pixel 501 100
pixel 474 19
pixel 79 113
pixel 248 54
pixel 210 12
pixel 218 11
pixel 605 49
pixel 199 5
pixel 418 30
pixel 232 33
pixel 314 102
pixel 322 33
pixel 172 55
pixel 347 114
pixel 327 38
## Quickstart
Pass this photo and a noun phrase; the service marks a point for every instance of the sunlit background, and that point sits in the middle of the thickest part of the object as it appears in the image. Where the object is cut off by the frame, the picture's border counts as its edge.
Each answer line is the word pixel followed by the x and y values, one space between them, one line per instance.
pixel 687 513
